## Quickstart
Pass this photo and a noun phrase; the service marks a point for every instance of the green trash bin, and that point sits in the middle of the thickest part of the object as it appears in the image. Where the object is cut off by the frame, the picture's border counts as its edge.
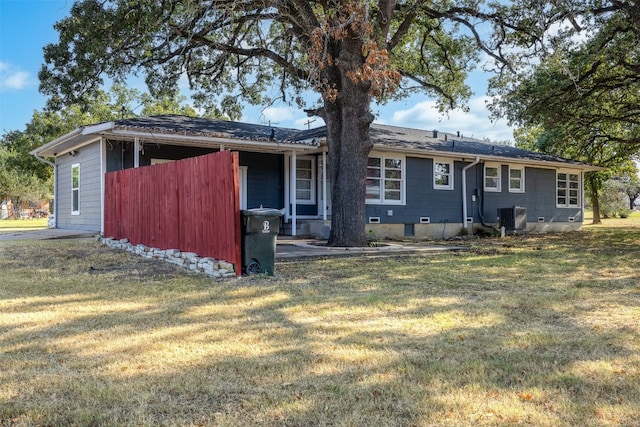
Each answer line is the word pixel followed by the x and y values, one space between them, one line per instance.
pixel 260 228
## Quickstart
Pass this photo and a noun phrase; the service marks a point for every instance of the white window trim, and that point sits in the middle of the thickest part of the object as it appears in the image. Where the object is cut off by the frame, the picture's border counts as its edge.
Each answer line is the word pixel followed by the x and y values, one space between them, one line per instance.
pixel 312 199
pixel 579 201
pixel 451 175
pixel 403 180
pixel 75 166
pixel 522 174
pixel 498 167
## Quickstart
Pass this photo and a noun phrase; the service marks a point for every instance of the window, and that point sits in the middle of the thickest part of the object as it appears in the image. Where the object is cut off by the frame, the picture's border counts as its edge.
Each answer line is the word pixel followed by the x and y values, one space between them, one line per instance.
pixel 385 180
pixel 305 180
pixel 516 179
pixel 75 189
pixel 492 177
pixel 567 189
pixel 442 175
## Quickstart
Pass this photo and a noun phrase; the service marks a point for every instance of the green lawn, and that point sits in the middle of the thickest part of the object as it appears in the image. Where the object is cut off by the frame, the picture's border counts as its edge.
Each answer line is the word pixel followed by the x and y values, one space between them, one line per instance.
pixel 537 330
pixel 11 225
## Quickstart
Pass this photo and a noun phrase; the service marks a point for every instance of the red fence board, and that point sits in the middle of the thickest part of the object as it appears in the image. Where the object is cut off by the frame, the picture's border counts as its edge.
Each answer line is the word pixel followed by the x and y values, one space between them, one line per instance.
pixel 191 205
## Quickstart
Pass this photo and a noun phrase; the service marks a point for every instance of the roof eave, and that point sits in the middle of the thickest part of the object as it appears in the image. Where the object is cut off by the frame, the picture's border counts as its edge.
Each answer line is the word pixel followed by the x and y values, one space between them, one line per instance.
pixel 492 158
pixel 42 150
pixel 165 138
pixel 50 149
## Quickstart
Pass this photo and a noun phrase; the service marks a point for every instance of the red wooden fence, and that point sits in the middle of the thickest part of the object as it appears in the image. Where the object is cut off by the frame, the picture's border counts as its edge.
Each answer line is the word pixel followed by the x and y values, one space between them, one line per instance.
pixel 191 205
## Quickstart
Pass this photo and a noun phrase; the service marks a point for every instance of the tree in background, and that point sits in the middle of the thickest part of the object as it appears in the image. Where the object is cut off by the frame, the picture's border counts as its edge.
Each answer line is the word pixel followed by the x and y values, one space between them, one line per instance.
pixel 350 52
pixel 583 99
pixel 17 185
pixel 616 160
pixel 613 199
pixel 588 80
pixel 631 186
pixel 23 177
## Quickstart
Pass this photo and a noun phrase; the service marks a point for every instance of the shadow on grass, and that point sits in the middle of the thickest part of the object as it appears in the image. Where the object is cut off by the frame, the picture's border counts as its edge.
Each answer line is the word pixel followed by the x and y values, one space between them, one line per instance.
pixel 523 330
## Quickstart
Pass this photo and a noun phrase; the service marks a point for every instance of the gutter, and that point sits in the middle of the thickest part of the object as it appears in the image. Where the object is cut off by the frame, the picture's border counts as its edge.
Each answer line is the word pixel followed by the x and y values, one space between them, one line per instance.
pixel 43 160
pixel 542 164
pixel 464 190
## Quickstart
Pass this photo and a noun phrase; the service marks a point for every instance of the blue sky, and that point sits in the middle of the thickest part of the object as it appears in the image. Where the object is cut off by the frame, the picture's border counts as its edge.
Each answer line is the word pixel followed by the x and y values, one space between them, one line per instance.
pixel 26 26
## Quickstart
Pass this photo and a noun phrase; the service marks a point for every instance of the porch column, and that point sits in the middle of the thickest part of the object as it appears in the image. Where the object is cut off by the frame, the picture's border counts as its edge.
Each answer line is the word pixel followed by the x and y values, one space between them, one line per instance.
pixel 287 159
pixel 324 185
pixel 136 152
pixel 294 197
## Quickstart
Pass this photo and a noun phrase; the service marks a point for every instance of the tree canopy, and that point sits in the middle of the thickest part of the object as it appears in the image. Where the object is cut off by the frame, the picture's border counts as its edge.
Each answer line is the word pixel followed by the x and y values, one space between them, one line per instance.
pixel 350 52
pixel 22 176
pixel 588 86
pixel 582 99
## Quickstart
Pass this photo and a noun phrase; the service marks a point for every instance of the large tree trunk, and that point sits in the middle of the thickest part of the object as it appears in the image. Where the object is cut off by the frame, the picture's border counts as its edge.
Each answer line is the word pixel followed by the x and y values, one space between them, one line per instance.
pixel 348 119
pixel 592 182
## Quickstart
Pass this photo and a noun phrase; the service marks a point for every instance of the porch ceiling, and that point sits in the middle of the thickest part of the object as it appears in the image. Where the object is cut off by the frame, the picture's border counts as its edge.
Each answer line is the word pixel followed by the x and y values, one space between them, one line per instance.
pixel 213 142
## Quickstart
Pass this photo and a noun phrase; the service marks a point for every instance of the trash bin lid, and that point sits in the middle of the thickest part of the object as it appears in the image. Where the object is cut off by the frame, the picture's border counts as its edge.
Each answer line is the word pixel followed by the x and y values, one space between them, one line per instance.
pixel 262 212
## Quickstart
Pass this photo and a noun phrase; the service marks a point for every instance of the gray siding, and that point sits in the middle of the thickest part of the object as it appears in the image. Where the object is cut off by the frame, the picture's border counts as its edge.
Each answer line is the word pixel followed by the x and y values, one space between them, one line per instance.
pixel 445 206
pixel 539 198
pixel 422 200
pixel 90 217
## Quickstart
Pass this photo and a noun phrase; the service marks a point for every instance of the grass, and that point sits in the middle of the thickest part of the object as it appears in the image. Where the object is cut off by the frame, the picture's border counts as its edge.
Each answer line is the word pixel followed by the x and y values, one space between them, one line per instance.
pixel 11 225
pixel 536 330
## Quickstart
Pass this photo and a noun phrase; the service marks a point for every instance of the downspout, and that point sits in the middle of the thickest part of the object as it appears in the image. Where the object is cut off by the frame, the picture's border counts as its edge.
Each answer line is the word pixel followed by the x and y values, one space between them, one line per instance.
pixel 55 186
pixel 464 190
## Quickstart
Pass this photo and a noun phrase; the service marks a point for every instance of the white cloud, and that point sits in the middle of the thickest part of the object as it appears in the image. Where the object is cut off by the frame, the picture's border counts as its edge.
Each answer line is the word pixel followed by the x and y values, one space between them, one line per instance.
pixel 424 115
pixel 13 78
pixel 278 114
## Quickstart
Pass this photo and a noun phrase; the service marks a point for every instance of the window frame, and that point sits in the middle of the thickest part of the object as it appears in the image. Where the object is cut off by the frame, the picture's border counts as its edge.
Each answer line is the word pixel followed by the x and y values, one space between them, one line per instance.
pixel 312 181
pixel 521 189
pixel 384 179
pixel 75 189
pixel 567 195
pixel 450 174
pixel 498 178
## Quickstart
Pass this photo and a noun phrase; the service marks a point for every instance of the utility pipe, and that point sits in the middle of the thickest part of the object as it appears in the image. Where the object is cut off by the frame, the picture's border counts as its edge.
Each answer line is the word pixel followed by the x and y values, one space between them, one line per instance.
pixel 464 190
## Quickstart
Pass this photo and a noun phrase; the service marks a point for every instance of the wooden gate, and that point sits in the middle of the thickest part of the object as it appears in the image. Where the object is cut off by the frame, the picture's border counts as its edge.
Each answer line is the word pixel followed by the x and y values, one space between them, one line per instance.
pixel 191 205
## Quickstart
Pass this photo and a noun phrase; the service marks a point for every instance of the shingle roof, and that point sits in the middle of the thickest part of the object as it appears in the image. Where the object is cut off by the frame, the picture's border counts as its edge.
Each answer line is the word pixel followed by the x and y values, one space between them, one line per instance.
pixel 415 139
pixel 200 126
pixel 383 136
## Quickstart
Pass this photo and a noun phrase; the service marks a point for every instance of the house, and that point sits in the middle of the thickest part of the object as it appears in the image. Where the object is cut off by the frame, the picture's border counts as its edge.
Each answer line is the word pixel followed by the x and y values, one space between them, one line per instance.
pixel 420 184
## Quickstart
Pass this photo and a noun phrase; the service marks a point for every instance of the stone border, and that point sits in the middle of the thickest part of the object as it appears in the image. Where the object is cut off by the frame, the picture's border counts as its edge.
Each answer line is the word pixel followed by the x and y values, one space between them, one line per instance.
pixel 189 260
